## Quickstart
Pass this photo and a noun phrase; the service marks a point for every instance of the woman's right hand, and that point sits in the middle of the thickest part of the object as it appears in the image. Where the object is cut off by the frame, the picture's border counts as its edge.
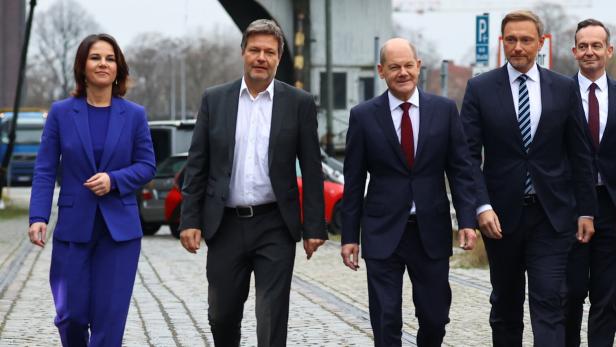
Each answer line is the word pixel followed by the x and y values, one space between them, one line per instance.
pixel 38 233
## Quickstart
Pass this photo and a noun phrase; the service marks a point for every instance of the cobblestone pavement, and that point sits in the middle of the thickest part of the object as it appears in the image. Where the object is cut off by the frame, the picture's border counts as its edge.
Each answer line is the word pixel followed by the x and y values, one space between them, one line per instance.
pixel 329 304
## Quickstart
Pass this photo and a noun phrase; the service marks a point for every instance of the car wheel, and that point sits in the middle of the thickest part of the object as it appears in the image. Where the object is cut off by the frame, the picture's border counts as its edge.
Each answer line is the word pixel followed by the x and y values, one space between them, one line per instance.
pixel 335 225
pixel 175 230
pixel 150 228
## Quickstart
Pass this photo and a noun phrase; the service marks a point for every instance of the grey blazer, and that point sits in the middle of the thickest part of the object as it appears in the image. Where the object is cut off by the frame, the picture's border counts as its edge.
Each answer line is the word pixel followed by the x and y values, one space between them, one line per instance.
pixel 293 135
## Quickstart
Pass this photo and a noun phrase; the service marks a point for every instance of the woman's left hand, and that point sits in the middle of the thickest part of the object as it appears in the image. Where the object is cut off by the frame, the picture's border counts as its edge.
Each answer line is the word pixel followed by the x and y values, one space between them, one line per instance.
pixel 99 184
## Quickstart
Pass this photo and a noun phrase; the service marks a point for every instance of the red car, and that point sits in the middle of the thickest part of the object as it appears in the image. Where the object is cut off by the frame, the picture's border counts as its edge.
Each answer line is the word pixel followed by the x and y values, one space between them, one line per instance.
pixel 332 192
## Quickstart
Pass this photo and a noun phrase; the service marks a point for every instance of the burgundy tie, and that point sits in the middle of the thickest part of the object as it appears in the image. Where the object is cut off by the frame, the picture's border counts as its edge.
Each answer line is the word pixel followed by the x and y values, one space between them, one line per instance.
pixel 593 115
pixel 406 134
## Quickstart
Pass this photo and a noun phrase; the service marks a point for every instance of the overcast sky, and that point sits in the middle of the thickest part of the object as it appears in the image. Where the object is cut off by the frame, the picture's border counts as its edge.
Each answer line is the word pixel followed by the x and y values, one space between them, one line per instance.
pixel 452 30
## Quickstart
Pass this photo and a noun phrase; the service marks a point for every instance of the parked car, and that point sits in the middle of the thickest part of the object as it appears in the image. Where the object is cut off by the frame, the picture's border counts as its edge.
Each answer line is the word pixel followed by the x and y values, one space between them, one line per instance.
pixel 170 136
pixel 331 161
pixel 27 141
pixel 152 196
pixel 332 191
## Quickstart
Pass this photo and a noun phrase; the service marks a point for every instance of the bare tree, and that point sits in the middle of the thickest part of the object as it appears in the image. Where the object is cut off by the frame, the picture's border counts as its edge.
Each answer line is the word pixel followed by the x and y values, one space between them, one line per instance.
pixel 154 61
pixel 57 33
pixel 562 28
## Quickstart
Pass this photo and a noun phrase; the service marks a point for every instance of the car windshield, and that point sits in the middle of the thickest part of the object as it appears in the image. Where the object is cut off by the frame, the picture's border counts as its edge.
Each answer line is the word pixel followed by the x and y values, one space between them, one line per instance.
pixel 170 166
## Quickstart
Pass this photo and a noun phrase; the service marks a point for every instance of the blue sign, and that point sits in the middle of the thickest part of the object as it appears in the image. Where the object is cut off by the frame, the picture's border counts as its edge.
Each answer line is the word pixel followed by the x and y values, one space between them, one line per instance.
pixel 482 39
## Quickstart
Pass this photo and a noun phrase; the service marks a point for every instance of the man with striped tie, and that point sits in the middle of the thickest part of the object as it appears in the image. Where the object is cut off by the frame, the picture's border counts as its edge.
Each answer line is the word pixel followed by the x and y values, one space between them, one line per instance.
pixel 592 266
pixel 533 175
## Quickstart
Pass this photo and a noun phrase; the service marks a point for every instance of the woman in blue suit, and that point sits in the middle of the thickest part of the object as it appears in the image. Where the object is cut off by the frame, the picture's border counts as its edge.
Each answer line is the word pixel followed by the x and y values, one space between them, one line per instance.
pixel 106 151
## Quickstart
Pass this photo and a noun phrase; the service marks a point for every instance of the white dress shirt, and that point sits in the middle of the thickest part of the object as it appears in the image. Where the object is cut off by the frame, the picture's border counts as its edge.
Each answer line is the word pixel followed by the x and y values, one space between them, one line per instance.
pixel 250 184
pixel 396 115
pixel 533 84
pixel 534 94
pixel 601 94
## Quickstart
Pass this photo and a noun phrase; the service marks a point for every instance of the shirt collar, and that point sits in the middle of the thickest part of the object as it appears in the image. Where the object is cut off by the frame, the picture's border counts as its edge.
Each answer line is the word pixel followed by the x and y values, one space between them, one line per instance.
pixel 585 83
pixel 269 90
pixel 394 102
pixel 533 73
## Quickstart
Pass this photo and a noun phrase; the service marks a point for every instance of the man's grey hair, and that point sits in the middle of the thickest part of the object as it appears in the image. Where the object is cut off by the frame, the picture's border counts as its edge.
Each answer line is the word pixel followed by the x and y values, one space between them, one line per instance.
pixel 267 27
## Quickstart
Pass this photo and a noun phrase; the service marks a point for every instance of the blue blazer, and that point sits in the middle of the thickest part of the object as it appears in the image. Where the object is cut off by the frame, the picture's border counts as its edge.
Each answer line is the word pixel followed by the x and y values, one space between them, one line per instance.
pixel 559 159
pixel 127 157
pixel 373 147
pixel 603 158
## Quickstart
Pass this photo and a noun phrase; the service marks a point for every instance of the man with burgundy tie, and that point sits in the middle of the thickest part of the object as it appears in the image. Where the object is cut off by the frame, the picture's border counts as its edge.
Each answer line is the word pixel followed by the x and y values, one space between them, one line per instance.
pixel 592 266
pixel 407 140
pixel 532 168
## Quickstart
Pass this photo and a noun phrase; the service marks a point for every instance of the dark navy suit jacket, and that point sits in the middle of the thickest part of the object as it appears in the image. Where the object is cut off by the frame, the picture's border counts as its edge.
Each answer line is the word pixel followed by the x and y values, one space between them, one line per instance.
pixel 603 158
pixel 559 158
pixel 373 147
pixel 128 158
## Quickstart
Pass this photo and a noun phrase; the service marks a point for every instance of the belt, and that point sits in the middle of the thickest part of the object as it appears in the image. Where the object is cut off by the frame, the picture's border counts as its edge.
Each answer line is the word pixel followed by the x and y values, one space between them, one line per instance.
pixel 530 199
pixel 251 211
pixel 412 219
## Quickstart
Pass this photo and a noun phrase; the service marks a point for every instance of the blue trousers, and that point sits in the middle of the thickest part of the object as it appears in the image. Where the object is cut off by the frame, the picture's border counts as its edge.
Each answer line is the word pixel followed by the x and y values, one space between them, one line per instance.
pixel 592 268
pixel 92 284
pixel 431 293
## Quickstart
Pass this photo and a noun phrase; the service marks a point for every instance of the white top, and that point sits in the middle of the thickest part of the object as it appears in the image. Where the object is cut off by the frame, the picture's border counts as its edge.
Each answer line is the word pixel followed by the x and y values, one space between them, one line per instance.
pixel 250 184
pixel 601 93
pixel 534 94
pixel 396 116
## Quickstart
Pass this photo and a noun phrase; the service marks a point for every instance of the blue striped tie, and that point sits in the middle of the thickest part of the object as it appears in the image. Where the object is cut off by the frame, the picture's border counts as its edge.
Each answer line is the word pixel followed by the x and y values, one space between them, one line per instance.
pixel 524 124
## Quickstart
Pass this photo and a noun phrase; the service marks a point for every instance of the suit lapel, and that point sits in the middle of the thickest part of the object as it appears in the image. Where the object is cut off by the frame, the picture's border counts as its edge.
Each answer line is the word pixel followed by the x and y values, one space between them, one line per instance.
pixel 546 102
pixel 425 121
pixel 80 117
pixel 231 101
pixel 610 125
pixel 279 109
pixel 114 130
pixel 586 128
pixel 508 108
pixel 383 117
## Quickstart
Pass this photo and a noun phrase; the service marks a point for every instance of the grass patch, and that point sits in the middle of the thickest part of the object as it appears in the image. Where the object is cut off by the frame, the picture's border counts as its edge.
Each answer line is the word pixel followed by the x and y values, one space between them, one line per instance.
pixel 476 258
pixel 13 212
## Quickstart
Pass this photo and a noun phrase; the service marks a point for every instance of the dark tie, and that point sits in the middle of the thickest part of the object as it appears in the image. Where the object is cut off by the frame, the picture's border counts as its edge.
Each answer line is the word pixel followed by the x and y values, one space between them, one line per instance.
pixel 406 134
pixel 524 124
pixel 593 115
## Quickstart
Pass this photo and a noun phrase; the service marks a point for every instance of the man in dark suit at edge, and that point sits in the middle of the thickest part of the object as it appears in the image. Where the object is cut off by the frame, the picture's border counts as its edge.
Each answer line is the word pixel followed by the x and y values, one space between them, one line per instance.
pixel 406 140
pixel 592 266
pixel 240 190
pixel 533 176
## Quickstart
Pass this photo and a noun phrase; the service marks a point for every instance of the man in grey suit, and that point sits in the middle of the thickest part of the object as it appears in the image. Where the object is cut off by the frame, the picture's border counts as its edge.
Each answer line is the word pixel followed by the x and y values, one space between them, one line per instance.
pixel 240 191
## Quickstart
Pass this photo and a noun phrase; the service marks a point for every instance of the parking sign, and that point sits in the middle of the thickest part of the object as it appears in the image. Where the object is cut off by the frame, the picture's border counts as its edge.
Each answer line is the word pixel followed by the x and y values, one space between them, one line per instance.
pixel 482 39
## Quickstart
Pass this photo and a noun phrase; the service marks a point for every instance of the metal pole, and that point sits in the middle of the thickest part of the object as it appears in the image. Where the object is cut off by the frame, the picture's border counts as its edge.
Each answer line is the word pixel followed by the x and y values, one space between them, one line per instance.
pixel 172 62
pixel 183 87
pixel 423 77
pixel 444 77
pixel 330 78
pixel 377 61
pixel 20 80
